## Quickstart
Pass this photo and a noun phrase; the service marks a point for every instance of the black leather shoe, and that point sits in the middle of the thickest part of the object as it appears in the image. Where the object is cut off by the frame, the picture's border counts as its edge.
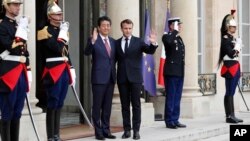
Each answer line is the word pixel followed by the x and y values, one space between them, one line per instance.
pixel 109 136
pixel 171 126
pixel 100 137
pixel 231 119
pixel 180 125
pixel 126 135
pixel 136 135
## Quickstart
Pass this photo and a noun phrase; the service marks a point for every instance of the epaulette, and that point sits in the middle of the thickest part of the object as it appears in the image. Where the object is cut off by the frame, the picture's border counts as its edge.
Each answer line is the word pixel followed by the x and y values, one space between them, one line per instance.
pixel 43 34
pixel 225 36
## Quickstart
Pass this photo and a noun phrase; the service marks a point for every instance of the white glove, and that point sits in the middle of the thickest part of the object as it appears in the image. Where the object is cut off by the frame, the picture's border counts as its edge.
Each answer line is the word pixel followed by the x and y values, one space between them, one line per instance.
pixel 238 44
pixel 176 27
pixel 29 75
pixel 73 76
pixel 63 34
pixel 22 28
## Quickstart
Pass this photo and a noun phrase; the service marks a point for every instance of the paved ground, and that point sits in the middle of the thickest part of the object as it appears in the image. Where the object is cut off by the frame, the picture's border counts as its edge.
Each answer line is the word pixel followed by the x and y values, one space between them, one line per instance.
pixel 212 128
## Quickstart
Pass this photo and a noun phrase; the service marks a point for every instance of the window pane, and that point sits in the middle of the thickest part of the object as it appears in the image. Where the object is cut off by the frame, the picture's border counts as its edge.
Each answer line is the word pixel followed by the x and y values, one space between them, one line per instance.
pixel 199 36
pixel 199 64
pixel 245 11
pixel 199 8
pixel 245 39
pixel 245 64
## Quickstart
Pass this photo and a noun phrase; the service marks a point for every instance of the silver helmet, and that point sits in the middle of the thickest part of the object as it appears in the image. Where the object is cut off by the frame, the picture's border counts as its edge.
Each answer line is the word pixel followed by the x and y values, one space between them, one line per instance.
pixel 53 8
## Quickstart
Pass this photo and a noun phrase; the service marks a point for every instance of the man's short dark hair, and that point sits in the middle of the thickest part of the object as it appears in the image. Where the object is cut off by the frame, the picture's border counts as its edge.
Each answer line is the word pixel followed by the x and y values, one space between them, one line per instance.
pixel 127 21
pixel 103 18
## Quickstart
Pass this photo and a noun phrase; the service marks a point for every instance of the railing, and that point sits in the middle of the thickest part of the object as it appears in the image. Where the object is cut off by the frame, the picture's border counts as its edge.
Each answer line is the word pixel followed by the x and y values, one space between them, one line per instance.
pixel 245 81
pixel 207 83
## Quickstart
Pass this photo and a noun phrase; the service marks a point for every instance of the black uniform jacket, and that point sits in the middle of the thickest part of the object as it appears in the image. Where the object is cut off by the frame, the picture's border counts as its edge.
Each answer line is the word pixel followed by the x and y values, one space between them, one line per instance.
pixel 175 54
pixel 53 48
pixel 230 65
pixel 10 70
pixel 130 62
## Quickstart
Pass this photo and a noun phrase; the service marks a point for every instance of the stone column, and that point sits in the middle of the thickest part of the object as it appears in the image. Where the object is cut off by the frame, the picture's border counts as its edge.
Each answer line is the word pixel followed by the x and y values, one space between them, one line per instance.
pixel 26 129
pixel 119 10
pixel 193 104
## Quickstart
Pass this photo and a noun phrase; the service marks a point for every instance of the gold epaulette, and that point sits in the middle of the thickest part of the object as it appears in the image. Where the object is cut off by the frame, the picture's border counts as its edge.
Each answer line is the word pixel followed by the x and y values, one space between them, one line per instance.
pixel 43 34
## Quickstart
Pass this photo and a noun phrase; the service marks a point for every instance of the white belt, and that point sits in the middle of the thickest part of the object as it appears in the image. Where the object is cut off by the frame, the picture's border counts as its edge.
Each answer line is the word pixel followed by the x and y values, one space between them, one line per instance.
pixel 227 58
pixel 15 58
pixel 4 54
pixel 54 59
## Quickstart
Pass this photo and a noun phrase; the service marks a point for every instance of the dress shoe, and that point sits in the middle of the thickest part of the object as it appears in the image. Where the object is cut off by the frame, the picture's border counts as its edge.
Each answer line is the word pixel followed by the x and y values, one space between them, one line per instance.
pixel 180 125
pixel 231 119
pixel 100 137
pixel 109 136
pixel 136 135
pixel 171 126
pixel 239 120
pixel 126 135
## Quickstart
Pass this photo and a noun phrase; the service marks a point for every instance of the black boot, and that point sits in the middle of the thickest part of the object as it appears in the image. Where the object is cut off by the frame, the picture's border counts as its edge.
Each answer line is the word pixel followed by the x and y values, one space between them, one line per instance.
pixel 232 109
pixel 50 127
pixel 5 130
pixel 227 105
pixel 14 128
pixel 57 125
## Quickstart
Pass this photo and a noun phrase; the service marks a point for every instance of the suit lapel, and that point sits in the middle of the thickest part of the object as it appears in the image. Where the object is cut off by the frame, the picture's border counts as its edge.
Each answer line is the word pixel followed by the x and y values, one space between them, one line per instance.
pixel 102 45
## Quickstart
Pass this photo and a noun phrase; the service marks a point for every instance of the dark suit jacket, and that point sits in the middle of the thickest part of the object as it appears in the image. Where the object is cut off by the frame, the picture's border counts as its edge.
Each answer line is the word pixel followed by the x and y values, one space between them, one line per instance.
pixel 103 66
pixel 175 54
pixel 130 63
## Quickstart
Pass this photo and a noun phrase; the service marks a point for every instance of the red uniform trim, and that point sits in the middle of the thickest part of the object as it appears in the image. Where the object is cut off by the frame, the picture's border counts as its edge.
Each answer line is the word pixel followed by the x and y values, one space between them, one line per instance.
pixel 11 77
pixel 56 72
pixel 231 69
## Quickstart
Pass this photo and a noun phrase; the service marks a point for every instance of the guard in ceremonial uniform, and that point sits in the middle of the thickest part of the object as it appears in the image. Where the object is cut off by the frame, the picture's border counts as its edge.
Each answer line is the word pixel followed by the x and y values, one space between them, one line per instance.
pixel 229 51
pixel 58 72
pixel 173 73
pixel 15 74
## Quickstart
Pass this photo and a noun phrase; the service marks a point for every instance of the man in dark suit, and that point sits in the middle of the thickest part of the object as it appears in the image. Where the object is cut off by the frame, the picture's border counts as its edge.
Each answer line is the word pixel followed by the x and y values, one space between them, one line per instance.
pixel 129 74
pixel 173 73
pixel 103 76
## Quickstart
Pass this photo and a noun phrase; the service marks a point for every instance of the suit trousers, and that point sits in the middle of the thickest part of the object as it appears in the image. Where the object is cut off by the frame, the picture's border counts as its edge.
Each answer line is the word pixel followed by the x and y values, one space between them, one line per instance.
pixel 173 87
pixel 101 108
pixel 130 92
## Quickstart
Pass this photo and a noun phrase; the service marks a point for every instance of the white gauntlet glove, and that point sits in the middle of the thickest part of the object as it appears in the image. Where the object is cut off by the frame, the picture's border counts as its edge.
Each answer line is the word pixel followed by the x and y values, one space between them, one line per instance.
pixel 238 44
pixel 176 26
pixel 29 75
pixel 63 34
pixel 22 28
pixel 73 76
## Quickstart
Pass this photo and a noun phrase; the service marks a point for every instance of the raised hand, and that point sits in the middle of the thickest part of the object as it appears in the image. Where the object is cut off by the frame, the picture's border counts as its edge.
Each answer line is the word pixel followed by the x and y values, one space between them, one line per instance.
pixel 153 37
pixel 94 35
pixel 176 26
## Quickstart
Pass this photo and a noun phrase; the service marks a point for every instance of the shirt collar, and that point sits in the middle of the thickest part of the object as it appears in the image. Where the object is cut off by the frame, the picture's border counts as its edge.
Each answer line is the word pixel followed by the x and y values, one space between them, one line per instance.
pixel 104 37
pixel 123 38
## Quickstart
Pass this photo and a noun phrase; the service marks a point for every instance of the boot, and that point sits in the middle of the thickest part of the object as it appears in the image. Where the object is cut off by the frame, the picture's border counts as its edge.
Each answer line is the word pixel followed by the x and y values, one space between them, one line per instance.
pixel 50 120
pixel 229 118
pixel 57 125
pixel 14 128
pixel 232 109
pixel 5 130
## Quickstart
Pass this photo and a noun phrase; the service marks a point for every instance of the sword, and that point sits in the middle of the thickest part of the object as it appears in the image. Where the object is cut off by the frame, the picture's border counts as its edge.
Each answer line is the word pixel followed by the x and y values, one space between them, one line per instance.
pixel 80 106
pixel 31 117
pixel 242 97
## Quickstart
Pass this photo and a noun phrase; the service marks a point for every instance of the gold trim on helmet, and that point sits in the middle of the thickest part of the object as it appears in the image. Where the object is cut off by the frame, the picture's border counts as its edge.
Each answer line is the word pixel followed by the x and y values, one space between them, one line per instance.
pixel 53 8
pixel 11 1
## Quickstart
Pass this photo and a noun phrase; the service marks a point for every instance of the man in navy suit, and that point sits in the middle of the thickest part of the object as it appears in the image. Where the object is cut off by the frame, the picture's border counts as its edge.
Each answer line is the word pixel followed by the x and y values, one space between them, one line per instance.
pixel 103 76
pixel 129 52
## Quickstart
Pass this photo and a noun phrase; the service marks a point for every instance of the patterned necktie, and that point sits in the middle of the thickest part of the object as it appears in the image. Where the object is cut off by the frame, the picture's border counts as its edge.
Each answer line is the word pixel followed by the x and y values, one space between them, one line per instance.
pixel 107 46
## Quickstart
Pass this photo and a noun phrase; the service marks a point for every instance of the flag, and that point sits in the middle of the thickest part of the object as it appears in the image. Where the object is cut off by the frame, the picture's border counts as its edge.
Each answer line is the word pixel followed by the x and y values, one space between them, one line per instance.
pixel 148 62
pixel 163 55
